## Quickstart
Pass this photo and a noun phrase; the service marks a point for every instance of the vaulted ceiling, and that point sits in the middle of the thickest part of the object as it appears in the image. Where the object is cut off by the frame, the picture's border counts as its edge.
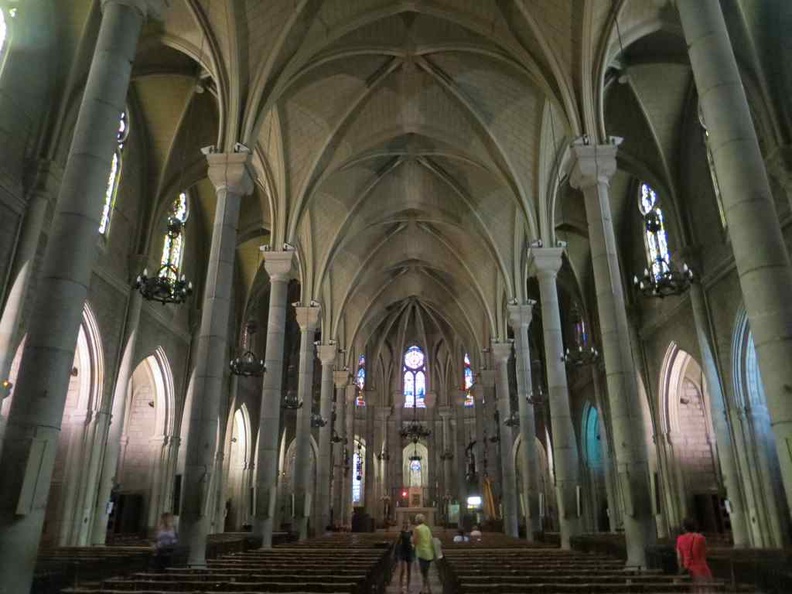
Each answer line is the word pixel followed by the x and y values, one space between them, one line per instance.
pixel 411 150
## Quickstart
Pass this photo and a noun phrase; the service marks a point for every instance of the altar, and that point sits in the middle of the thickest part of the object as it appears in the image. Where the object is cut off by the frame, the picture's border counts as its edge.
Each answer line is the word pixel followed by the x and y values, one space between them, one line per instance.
pixel 407 514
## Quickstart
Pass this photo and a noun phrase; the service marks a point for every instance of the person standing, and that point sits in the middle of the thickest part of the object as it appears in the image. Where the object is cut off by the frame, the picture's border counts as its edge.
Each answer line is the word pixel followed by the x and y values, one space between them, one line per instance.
pixel 691 549
pixel 405 556
pixel 424 550
pixel 166 541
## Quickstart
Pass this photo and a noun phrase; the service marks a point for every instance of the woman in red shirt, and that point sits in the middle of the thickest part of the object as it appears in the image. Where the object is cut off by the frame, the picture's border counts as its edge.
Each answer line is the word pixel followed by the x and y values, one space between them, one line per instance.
pixel 691 548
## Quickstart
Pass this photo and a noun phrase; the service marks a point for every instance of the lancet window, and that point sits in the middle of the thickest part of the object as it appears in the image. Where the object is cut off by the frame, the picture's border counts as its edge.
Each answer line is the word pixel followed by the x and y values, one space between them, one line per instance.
pixel 414 378
pixel 111 190
pixel 469 400
pixel 360 381
pixel 173 245
pixel 655 238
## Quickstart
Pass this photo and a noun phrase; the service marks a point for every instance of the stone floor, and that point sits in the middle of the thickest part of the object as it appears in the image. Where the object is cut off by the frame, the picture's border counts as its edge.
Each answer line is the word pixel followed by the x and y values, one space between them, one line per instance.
pixel 415 582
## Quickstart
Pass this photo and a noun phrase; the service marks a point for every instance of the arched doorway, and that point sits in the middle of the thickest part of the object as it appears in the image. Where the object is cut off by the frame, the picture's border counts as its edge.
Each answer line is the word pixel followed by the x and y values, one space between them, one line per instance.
pixel 693 477
pixel 73 487
pixel 237 495
pixel 755 444
pixel 593 459
pixel 145 465
pixel 288 478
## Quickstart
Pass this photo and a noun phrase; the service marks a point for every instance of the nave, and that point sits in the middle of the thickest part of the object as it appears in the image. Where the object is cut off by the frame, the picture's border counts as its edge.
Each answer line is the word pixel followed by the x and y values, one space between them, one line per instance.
pixel 365 564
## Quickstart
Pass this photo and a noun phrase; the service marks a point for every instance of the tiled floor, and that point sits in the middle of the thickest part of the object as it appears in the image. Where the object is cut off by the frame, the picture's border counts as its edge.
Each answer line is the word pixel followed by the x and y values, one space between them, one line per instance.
pixel 415 582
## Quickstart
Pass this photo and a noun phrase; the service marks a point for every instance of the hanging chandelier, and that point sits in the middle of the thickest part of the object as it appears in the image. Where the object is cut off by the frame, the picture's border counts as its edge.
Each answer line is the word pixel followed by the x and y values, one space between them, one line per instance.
pixel 248 364
pixel 291 401
pixel 383 456
pixel 317 421
pixel 359 463
pixel 582 353
pixel 664 280
pixel 513 420
pixel 414 430
pixel 167 286
pixel 415 456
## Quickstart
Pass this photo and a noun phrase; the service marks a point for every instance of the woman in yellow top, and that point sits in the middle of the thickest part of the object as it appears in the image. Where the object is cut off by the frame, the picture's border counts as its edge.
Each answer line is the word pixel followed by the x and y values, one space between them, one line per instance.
pixel 424 550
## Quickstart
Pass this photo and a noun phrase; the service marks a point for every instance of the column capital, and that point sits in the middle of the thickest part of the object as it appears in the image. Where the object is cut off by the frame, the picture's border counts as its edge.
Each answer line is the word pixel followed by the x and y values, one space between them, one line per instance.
pixel 382 413
pixel 326 353
pixel 592 164
pixel 501 351
pixel 279 265
pixel 545 261
pixel 308 317
pixel 231 172
pixel 340 378
pixel 445 412
pixel 150 9
pixel 487 378
pixel 520 316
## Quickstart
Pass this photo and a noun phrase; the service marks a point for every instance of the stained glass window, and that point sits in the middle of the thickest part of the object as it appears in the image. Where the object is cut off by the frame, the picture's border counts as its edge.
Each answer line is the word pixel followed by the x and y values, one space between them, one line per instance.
pixel 414 378
pixel 111 190
pixel 655 236
pixel 173 246
pixel 360 381
pixel 415 473
pixel 469 400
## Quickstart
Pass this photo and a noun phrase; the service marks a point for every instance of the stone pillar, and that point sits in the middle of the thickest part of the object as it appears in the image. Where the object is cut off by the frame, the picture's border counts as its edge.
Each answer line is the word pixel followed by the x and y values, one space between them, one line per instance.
pixel 720 420
pixel 340 378
pixel 397 454
pixel 480 421
pixel 614 510
pixel 279 267
pixel 351 413
pixel 232 180
pixel 380 436
pixel 592 169
pixel 113 445
pixel 487 380
pixel 445 416
pixel 520 320
pixel 47 178
pixel 308 320
pixel 760 253
pixel 459 453
pixel 501 351
pixel 368 461
pixel 546 263
pixel 33 424
pixel 327 356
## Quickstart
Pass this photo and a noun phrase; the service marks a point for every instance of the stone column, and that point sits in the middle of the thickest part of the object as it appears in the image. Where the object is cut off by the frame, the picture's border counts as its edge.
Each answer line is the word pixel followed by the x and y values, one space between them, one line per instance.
pixel 501 351
pixel 368 461
pixel 279 267
pixel 397 453
pixel 520 320
pixel 340 378
pixel 614 510
pixel 113 447
pixel 31 436
pixel 308 319
pixel 232 180
pixel 480 421
pixel 720 420
pixel 327 356
pixel 459 454
pixel 380 439
pixel 592 169
pixel 445 416
pixel 47 178
pixel 487 380
pixel 760 253
pixel 546 263
pixel 351 428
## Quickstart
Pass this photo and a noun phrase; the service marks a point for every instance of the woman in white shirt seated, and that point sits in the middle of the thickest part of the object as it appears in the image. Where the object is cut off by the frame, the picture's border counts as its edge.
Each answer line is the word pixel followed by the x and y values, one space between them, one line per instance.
pixel 475 533
pixel 460 537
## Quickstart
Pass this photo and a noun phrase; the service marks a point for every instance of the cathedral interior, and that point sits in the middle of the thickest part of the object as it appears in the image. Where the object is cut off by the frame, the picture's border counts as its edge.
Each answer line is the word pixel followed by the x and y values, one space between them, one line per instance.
pixel 283 268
